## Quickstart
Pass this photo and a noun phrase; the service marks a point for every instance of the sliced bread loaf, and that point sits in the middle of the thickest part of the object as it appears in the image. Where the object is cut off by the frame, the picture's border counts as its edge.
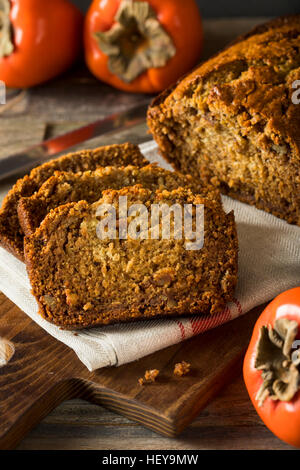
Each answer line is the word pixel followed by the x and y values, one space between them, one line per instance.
pixel 64 187
pixel 234 121
pixel 81 280
pixel 11 235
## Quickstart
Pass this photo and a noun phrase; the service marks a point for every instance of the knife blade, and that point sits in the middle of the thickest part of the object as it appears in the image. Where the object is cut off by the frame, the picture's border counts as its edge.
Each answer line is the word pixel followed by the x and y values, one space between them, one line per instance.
pixel 32 156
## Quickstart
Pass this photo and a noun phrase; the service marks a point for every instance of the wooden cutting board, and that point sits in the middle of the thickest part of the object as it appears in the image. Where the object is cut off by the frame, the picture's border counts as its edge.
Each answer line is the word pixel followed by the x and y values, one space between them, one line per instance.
pixel 44 372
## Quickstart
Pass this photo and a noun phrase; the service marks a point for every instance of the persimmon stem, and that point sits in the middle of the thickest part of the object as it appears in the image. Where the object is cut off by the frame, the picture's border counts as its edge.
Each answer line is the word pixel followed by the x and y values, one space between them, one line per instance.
pixel 6 44
pixel 135 42
pixel 277 361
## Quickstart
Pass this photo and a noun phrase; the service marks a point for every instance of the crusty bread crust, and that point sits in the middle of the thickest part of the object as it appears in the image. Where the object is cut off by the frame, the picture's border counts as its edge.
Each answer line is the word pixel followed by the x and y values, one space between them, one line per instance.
pixel 232 121
pixel 80 281
pixel 259 29
pixel 11 235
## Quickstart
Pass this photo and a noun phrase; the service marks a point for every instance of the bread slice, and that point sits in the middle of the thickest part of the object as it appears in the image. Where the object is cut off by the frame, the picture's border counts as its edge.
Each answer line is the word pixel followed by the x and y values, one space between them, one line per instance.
pixel 66 187
pixel 80 280
pixel 11 235
pixel 233 123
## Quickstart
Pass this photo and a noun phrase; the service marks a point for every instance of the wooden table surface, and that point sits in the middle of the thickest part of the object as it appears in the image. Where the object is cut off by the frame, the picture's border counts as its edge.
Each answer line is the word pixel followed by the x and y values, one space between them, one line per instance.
pixel 75 99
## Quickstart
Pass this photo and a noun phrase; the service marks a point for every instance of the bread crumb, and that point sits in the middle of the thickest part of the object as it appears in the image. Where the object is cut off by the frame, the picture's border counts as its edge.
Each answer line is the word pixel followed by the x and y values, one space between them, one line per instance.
pixel 150 376
pixel 182 368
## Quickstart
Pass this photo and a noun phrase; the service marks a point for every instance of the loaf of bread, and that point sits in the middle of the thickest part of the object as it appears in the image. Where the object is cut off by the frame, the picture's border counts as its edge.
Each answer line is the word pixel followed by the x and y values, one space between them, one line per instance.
pixel 11 235
pixel 80 279
pixel 64 187
pixel 232 122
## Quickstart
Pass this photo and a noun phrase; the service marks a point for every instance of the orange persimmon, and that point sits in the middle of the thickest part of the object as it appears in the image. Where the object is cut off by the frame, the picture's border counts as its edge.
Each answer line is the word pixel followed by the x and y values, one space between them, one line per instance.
pixel 38 40
pixel 142 46
pixel 272 366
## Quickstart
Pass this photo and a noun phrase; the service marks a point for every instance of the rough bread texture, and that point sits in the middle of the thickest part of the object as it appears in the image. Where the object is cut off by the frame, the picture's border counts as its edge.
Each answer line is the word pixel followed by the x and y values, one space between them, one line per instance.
pixel 232 121
pixel 66 187
pixel 81 281
pixel 11 235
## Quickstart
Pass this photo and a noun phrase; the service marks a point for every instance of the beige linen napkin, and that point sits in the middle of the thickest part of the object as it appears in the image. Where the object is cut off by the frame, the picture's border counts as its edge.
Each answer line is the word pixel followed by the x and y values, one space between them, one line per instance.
pixel 269 263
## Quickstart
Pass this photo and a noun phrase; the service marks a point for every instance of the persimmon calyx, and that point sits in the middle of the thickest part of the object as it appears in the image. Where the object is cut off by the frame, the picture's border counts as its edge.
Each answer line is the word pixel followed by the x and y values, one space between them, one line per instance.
pixel 278 361
pixel 135 42
pixel 6 44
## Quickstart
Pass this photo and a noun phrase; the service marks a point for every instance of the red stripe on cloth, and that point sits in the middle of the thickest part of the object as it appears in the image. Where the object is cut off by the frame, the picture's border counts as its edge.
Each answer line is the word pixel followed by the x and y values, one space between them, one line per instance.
pixel 239 307
pixel 201 324
pixel 182 330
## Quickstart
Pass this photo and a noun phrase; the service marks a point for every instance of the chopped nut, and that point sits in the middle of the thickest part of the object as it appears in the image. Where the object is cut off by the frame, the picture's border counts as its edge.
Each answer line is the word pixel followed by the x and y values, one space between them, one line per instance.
pixel 182 368
pixel 71 298
pixel 49 301
pixel 163 277
pixel 87 306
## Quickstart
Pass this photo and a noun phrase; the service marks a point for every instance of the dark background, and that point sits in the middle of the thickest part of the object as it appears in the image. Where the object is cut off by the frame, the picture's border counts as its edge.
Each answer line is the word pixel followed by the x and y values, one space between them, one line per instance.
pixel 217 8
